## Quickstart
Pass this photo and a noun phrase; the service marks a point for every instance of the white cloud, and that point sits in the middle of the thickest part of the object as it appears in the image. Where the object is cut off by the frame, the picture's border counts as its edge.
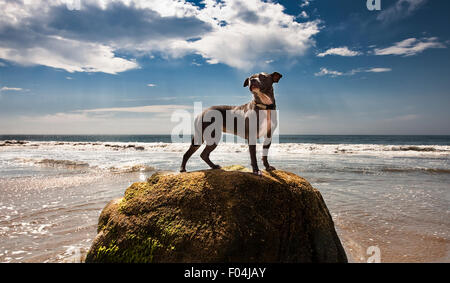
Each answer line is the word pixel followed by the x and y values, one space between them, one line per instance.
pixel 69 55
pixel 341 51
pixel 233 32
pixel 326 72
pixel 24 39
pixel 150 119
pixel 410 47
pixel 333 74
pixel 368 70
pixel 151 85
pixel 401 9
pixel 87 123
pixel 140 109
pixel 303 15
pixel 5 88
pixel 378 70
pixel 305 3
pixel 65 117
pixel 245 31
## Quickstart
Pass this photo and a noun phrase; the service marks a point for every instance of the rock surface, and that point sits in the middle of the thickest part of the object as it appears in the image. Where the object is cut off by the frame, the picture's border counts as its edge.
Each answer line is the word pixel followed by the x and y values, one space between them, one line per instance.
pixel 225 215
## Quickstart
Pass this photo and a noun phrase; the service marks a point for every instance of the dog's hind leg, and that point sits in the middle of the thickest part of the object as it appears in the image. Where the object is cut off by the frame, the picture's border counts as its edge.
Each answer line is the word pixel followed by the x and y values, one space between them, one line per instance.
pixel 205 156
pixel 192 149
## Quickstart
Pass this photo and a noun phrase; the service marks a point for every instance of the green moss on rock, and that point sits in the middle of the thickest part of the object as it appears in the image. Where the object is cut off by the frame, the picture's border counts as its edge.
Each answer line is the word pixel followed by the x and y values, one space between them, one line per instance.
pixel 225 215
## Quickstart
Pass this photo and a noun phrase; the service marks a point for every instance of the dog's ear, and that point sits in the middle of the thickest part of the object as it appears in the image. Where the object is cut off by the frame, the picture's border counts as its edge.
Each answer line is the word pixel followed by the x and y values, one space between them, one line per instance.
pixel 276 77
pixel 246 82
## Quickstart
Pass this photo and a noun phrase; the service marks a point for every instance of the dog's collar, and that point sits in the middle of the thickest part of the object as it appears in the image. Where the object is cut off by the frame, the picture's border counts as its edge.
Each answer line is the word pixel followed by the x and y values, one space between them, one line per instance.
pixel 265 106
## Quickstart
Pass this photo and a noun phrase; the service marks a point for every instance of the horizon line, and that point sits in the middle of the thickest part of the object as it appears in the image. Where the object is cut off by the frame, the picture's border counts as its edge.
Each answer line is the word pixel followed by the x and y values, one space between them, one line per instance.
pixel 399 135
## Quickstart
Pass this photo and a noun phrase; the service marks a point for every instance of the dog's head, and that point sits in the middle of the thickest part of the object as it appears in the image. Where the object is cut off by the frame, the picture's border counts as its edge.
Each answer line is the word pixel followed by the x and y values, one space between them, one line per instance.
pixel 261 85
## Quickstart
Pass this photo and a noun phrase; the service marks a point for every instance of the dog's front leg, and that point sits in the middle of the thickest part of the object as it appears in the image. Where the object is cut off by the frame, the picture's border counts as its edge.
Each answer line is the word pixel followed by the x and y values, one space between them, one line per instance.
pixel 252 149
pixel 266 146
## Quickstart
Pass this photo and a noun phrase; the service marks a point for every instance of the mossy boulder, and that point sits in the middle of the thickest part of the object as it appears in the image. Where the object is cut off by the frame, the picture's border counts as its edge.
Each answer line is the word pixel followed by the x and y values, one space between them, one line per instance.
pixel 225 215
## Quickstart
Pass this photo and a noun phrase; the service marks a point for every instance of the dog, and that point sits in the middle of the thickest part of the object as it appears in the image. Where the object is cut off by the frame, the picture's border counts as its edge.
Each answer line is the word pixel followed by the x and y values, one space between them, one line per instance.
pixel 253 121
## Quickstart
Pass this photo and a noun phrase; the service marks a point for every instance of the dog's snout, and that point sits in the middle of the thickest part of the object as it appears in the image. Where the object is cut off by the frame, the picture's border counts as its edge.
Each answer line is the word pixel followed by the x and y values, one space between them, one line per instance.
pixel 254 82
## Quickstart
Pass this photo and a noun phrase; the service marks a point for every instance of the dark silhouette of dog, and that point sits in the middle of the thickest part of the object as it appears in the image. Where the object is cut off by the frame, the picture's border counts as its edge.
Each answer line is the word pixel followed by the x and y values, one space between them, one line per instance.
pixel 250 121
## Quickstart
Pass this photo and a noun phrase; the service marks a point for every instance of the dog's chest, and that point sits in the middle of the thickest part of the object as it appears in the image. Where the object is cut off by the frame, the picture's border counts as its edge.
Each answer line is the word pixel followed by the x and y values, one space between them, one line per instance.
pixel 261 122
pixel 267 122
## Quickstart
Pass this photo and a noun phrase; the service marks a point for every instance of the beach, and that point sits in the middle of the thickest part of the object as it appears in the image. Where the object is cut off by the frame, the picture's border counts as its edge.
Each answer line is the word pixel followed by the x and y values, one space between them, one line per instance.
pixel 390 192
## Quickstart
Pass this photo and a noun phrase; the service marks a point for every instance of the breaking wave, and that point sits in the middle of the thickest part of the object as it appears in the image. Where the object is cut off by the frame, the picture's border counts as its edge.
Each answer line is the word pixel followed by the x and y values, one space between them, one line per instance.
pixel 282 148
pixel 63 163
pixel 420 170
pixel 77 165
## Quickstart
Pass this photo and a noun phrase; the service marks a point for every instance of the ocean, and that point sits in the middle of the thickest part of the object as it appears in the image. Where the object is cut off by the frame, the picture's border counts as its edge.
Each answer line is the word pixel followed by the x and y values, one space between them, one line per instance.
pixel 388 192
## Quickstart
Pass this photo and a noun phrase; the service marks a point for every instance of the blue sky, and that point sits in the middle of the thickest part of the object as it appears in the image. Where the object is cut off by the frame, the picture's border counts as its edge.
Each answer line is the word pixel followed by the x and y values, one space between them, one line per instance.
pixel 123 67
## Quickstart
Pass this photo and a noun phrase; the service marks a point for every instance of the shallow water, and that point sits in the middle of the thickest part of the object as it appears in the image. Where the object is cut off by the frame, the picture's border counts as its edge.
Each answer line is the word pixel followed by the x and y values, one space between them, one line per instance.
pixel 54 218
pixel 392 196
